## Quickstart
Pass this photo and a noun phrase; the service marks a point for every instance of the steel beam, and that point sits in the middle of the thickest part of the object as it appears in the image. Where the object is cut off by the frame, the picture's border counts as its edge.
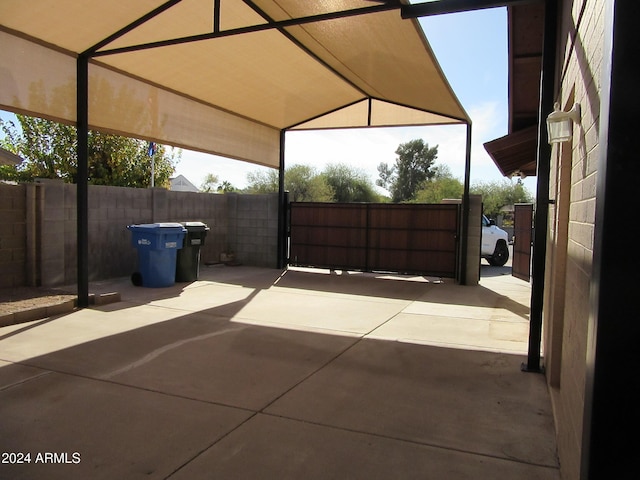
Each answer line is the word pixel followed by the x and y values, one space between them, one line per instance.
pixel 216 15
pixel 271 25
pixel 133 25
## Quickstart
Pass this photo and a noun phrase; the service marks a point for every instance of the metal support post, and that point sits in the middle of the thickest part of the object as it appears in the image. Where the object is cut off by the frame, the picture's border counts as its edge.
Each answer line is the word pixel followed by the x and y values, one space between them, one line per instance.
pixel 464 242
pixel 542 188
pixel 82 180
pixel 282 208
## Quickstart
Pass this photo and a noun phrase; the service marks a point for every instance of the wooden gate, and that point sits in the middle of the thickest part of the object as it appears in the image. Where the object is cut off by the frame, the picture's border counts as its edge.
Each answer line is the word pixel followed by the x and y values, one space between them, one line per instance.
pixel 522 236
pixel 406 238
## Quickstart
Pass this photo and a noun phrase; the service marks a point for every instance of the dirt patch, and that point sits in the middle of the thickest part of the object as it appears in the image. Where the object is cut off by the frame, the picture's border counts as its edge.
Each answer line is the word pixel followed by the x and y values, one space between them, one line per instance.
pixel 19 299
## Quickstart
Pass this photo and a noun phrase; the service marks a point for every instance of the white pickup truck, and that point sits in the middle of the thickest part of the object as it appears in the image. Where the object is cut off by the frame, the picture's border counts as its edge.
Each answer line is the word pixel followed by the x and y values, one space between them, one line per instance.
pixel 495 243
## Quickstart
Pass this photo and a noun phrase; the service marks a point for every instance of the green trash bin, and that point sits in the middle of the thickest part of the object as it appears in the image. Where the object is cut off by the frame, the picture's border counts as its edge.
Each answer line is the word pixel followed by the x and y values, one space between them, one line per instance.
pixel 188 260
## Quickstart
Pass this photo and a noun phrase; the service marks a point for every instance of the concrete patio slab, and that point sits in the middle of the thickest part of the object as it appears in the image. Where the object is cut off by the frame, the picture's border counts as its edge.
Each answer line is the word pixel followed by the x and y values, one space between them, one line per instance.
pixel 81 327
pixel 13 374
pixel 102 430
pixel 456 332
pixel 467 401
pixel 331 313
pixel 341 283
pixel 259 373
pixel 197 297
pixel 243 366
pixel 280 448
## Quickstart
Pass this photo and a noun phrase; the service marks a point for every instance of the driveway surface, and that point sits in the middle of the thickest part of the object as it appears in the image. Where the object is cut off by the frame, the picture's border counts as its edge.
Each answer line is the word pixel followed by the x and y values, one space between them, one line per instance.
pixel 268 374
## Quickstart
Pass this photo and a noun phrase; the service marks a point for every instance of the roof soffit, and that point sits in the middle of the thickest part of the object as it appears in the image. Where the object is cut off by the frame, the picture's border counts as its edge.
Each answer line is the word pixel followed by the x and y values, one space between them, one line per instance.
pixel 516 152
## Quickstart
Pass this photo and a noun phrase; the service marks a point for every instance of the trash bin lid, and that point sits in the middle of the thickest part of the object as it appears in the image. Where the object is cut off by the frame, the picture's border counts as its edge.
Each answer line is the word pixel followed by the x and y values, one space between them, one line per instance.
pixel 157 226
pixel 195 226
pixel 168 225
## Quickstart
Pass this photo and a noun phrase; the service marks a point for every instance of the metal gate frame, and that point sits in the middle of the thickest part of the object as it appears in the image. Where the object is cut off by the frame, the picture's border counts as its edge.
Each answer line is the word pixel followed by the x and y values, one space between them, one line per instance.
pixel 404 238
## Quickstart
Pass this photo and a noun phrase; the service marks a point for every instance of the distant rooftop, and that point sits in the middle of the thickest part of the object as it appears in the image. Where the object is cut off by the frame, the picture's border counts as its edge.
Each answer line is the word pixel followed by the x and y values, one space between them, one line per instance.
pixel 182 184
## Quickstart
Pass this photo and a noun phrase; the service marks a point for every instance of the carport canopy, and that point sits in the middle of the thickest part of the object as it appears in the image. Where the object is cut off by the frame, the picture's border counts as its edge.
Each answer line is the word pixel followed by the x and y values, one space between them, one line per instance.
pixel 223 76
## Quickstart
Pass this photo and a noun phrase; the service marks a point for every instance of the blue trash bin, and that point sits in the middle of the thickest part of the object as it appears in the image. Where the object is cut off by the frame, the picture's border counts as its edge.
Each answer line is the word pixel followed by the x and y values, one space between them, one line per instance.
pixel 157 245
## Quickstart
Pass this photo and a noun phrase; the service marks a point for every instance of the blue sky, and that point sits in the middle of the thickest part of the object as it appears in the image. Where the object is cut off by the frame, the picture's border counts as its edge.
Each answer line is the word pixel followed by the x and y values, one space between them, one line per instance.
pixel 472 50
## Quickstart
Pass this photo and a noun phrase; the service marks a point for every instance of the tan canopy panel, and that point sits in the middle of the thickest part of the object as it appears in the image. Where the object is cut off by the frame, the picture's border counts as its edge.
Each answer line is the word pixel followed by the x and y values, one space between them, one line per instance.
pixel 223 76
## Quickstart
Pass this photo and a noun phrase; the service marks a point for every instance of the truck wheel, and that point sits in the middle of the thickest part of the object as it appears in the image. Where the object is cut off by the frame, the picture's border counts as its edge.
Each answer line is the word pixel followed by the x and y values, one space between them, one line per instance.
pixel 500 255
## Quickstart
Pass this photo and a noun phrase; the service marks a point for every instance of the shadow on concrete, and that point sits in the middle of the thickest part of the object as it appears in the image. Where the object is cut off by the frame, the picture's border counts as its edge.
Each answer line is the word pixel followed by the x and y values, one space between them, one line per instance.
pixel 342 283
pixel 380 285
pixel 201 395
pixel 27 326
pixel 489 271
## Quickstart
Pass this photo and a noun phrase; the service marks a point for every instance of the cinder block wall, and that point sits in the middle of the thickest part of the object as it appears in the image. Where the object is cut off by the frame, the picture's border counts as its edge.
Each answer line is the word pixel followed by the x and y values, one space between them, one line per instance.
pixel 566 315
pixel 13 233
pixel 253 228
pixel 55 227
pixel 111 209
pixel 208 208
pixel 39 229
pixel 475 239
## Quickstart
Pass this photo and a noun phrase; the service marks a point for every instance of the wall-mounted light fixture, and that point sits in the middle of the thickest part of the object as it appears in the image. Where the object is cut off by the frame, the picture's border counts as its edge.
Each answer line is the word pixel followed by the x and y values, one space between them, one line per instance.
pixel 560 124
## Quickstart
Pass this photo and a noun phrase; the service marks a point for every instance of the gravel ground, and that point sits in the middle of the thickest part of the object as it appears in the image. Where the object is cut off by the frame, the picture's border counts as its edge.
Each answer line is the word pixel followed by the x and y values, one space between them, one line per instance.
pixel 19 299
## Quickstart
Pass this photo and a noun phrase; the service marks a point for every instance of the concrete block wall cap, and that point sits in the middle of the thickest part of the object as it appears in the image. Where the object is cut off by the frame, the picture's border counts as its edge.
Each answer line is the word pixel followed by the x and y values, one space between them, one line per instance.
pixel 68 306
pixel 104 298
pixel 37 313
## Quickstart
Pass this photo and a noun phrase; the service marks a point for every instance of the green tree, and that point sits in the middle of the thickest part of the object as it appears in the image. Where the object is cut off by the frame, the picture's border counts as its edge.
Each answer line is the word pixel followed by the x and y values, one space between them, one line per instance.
pixel 442 185
pixel 210 183
pixel 302 181
pixel 349 184
pixel 306 185
pixel 226 187
pixel 496 195
pixel 261 181
pixel 49 150
pixel 412 168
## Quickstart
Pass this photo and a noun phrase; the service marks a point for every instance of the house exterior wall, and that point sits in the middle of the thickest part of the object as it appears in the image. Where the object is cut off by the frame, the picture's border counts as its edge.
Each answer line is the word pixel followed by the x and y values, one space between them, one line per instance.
pixel 570 246
pixel 39 232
